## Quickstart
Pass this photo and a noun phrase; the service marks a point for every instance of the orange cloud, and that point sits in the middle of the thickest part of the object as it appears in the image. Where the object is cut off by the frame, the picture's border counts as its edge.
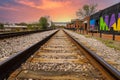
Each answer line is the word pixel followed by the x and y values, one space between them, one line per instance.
pixel 46 4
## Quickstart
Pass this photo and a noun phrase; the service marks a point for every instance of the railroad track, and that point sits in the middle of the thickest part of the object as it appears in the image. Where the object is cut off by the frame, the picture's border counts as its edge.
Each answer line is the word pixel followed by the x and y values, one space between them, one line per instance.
pixel 61 58
pixel 13 34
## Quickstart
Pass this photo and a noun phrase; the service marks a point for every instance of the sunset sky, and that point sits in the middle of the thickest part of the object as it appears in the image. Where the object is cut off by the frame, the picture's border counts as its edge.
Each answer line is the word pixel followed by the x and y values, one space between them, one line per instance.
pixel 31 10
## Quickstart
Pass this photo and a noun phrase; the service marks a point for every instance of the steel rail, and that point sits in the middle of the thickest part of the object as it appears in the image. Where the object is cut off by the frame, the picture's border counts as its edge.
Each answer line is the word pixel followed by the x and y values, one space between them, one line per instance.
pixel 112 71
pixel 13 62
pixel 13 34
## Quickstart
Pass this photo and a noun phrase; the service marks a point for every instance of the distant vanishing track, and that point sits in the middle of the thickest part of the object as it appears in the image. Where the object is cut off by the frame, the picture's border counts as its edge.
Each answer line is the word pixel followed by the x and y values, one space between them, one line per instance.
pixel 59 59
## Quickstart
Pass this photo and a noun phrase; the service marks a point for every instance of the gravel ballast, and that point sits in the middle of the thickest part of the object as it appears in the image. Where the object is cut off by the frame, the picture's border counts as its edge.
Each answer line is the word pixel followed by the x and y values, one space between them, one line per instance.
pixel 110 55
pixel 14 45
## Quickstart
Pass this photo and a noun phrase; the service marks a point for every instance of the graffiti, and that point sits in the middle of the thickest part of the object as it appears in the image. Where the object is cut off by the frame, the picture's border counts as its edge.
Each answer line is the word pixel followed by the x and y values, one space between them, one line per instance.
pixel 107 20
pixel 92 23
pixel 103 25
pixel 117 27
pixel 112 21
pixel 106 25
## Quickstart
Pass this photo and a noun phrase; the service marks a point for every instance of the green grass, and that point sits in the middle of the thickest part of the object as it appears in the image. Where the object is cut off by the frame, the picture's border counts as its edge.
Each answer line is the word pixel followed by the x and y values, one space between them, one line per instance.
pixel 87 36
pixel 110 43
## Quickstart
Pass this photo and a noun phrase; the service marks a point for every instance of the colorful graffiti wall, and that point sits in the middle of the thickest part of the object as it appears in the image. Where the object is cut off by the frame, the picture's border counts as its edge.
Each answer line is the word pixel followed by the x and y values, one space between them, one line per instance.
pixel 110 22
pixel 92 23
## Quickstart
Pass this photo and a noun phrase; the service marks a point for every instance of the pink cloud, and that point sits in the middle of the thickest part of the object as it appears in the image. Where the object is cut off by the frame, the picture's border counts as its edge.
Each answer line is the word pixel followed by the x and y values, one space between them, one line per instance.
pixel 8 8
pixel 58 10
pixel 46 4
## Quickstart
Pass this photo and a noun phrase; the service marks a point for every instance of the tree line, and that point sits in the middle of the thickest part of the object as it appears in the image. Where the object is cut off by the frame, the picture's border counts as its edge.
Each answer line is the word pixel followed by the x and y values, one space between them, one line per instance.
pixel 41 24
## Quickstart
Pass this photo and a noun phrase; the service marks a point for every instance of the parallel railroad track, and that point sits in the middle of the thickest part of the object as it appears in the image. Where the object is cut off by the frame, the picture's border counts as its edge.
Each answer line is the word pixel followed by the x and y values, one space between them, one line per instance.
pixel 61 58
pixel 13 34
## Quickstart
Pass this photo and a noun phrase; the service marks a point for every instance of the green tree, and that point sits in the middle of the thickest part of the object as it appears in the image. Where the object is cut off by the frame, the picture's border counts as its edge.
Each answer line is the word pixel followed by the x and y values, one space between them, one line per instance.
pixel 22 24
pixel 53 25
pixel 43 23
pixel 1 26
pixel 30 26
pixel 87 10
pixel 33 26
